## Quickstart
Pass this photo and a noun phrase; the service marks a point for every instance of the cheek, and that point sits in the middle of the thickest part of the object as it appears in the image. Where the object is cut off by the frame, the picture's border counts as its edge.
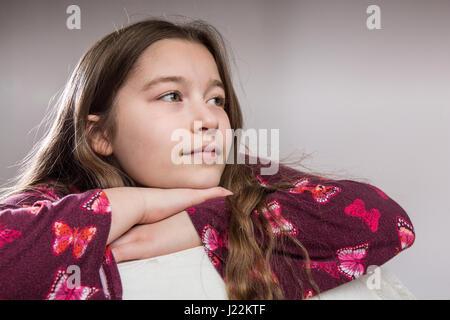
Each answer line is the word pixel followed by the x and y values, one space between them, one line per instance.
pixel 138 131
pixel 139 145
pixel 227 134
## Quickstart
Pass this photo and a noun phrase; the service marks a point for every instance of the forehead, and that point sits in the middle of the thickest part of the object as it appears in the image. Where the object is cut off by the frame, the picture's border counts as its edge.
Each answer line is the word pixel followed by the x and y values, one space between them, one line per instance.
pixel 176 57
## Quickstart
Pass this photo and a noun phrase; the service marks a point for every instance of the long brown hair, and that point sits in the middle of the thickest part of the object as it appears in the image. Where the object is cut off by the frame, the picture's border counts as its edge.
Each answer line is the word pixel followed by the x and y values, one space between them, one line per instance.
pixel 65 157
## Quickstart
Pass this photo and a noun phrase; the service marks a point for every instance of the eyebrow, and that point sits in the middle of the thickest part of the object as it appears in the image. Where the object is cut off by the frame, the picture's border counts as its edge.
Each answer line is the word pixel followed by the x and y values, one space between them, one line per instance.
pixel 178 79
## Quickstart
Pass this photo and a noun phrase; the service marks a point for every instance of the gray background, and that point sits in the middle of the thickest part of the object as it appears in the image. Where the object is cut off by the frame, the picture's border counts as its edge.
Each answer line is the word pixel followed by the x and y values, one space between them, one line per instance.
pixel 370 103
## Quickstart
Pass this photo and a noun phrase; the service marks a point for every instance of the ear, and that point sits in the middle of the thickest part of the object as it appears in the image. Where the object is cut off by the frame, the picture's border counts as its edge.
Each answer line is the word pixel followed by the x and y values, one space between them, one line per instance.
pixel 96 138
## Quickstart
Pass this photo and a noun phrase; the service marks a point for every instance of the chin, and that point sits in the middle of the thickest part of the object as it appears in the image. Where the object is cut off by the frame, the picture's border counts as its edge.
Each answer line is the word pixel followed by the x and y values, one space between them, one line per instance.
pixel 201 179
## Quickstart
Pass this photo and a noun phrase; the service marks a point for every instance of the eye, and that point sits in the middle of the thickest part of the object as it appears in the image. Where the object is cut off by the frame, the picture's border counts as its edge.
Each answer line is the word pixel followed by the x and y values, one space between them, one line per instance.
pixel 221 101
pixel 170 94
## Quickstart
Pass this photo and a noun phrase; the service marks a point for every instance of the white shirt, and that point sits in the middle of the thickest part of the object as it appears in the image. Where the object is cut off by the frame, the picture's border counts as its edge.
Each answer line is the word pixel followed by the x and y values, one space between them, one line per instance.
pixel 186 274
pixel 189 275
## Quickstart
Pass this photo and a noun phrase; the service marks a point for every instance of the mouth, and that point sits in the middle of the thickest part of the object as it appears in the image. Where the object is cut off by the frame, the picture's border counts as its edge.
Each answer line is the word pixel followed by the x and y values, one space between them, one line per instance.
pixel 205 150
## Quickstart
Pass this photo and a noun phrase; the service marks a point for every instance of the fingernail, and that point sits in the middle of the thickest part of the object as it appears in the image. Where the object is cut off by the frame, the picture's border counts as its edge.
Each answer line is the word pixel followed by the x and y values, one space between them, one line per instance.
pixel 228 192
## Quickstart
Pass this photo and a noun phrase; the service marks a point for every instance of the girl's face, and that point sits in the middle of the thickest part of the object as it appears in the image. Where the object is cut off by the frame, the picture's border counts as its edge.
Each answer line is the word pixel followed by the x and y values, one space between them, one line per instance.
pixel 148 115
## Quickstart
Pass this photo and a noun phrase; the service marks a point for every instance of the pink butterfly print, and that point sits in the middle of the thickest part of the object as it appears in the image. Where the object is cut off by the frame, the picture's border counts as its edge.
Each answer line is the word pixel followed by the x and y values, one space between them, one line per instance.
pixel 48 192
pixel 321 193
pixel 37 207
pixel 406 234
pixel 351 263
pixel 97 203
pixel 107 255
pixel 309 293
pixel 286 225
pixel 381 193
pixel 65 236
pixel 261 181
pixel 256 274
pixel 8 235
pixel 300 185
pixel 358 210
pixel 329 267
pixel 212 241
pixel 61 290
pixel 214 259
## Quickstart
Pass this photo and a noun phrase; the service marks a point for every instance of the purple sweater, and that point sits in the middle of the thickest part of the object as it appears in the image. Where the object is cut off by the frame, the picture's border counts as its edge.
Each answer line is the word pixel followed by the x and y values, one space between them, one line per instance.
pixel 53 246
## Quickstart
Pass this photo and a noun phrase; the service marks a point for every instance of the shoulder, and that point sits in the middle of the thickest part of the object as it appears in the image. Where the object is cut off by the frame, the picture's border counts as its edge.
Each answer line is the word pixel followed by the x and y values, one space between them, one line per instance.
pixel 23 199
pixel 48 193
pixel 354 205
pixel 319 191
pixel 344 195
pixel 367 195
pixel 340 198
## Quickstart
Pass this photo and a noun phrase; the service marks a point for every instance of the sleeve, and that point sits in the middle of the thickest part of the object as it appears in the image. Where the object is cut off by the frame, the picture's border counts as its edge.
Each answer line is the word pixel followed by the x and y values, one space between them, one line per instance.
pixel 54 249
pixel 345 226
pixel 211 220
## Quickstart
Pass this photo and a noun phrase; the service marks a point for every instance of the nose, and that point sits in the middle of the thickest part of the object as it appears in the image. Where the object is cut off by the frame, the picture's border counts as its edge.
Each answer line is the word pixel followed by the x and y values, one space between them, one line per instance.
pixel 203 119
pixel 204 126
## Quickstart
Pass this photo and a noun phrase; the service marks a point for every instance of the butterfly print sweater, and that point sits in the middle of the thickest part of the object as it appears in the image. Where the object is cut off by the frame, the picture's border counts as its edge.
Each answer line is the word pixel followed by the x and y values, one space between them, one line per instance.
pixel 345 225
pixel 53 246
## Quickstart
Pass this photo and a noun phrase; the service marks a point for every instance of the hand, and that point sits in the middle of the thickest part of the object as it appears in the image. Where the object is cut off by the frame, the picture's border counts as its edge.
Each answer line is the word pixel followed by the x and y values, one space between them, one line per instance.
pixel 133 205
pixel 162 203
pixel 172 234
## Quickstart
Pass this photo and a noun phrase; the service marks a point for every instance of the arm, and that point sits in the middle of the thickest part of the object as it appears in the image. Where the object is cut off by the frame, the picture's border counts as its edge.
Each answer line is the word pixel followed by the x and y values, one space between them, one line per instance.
pixel 43 241
pixel 131 205
pixel 356 227
pixel 163 228
pixel 337 231
pixel 127 209
pixel 345 225
pixel 172 234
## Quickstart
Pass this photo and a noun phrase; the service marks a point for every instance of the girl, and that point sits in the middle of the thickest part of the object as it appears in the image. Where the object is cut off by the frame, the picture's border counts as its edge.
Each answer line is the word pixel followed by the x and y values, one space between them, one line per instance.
pixel 101 187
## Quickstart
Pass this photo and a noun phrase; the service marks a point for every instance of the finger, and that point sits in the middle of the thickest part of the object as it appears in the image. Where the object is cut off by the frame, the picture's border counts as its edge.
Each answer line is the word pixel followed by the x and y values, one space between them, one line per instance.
pixel 119 242
pixel 164 202
pixel 128 236
pixel 205 194
pixel 170 235
pixel 116 253
pixel 192 197
pixel 128 251
pixel 144 249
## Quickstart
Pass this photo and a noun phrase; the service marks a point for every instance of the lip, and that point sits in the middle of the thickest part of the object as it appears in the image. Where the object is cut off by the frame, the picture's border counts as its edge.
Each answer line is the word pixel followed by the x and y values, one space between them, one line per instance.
pixel 213 148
